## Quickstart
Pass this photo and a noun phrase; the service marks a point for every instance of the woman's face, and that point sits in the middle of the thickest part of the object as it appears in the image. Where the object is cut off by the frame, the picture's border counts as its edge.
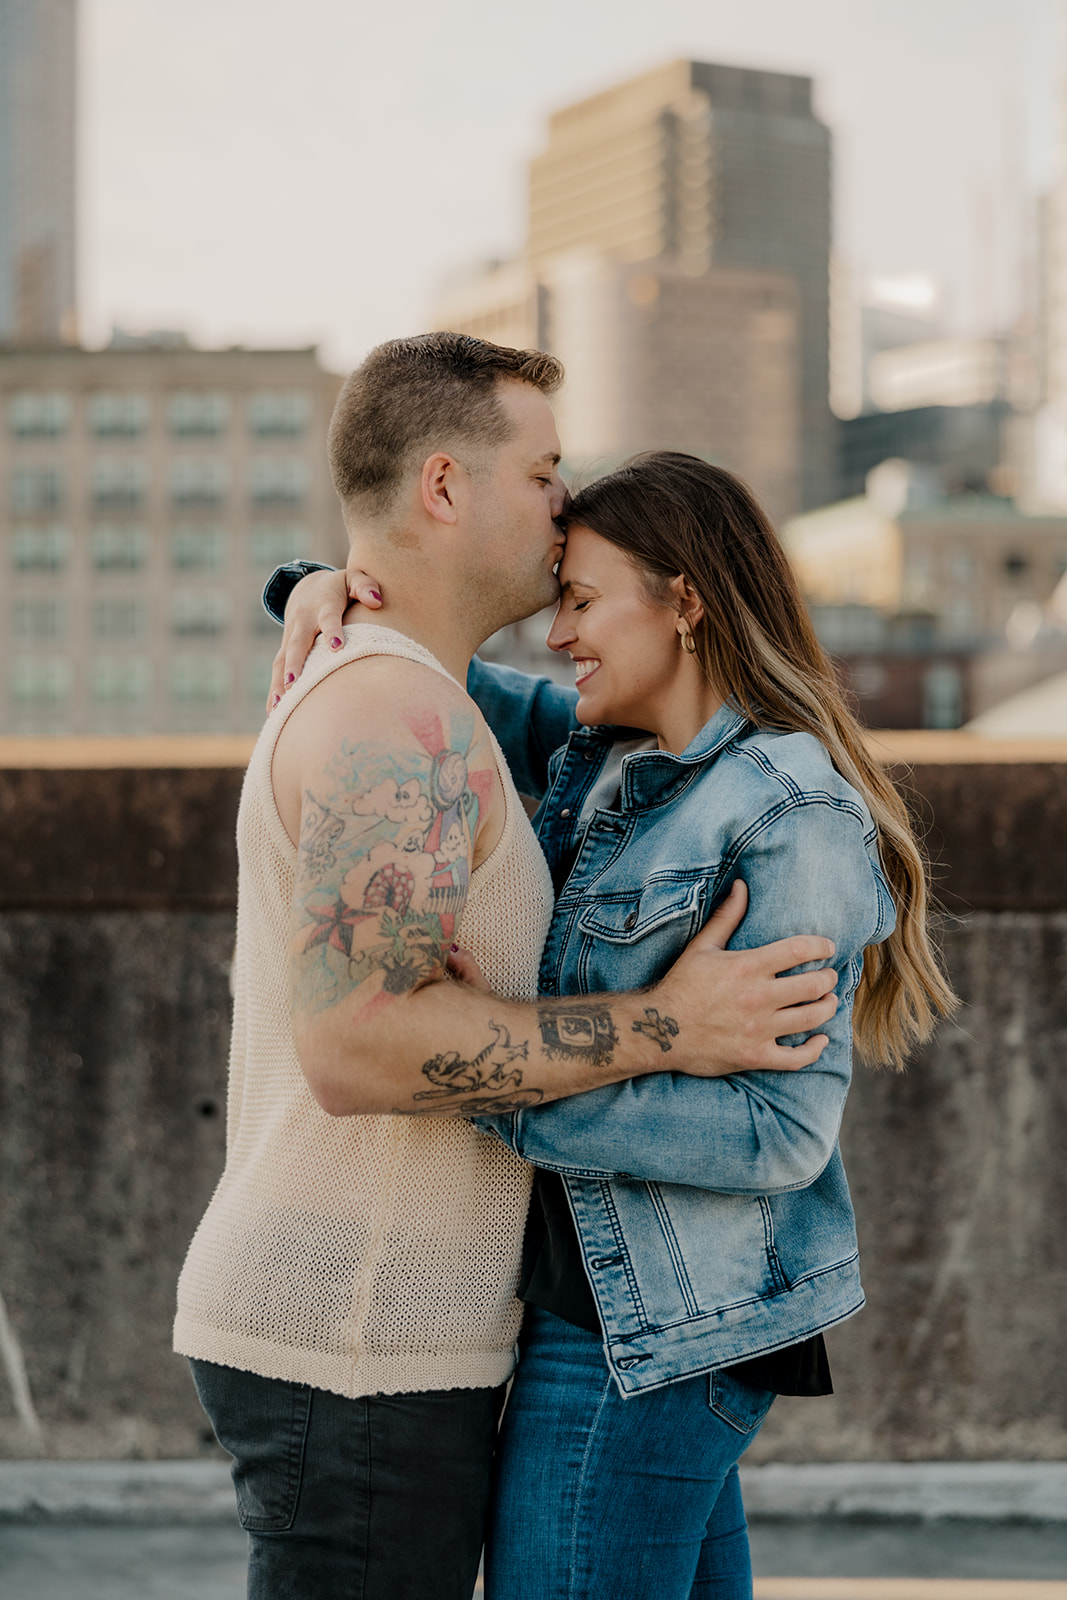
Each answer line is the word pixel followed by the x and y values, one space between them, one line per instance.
pixel 626 648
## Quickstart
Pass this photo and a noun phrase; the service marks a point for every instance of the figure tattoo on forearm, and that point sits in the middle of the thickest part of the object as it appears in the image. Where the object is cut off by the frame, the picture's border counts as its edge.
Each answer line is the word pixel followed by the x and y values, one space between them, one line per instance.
pixel 477 1081
pixel 661 1030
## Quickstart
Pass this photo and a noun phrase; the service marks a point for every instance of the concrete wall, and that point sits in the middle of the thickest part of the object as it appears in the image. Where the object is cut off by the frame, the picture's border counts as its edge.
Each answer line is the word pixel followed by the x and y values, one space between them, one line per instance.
pixel 116 925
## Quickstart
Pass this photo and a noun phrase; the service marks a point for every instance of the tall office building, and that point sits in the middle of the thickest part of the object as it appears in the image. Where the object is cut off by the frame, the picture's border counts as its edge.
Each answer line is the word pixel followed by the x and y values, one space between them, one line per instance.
pixel 37 175
pixel 709 167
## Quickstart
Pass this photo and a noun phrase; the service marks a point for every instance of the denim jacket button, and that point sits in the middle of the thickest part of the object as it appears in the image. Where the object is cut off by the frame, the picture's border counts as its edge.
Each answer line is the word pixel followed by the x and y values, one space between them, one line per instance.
pixel 566 811
pixel 631 921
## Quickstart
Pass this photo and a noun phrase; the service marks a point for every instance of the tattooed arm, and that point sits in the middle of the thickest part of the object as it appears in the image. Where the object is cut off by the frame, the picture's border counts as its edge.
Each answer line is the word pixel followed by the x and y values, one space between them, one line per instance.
pixel 392 818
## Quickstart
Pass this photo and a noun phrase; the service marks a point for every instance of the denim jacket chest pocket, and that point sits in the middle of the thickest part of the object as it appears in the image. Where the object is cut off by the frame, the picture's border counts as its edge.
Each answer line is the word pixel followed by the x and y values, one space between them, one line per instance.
pixel 621 939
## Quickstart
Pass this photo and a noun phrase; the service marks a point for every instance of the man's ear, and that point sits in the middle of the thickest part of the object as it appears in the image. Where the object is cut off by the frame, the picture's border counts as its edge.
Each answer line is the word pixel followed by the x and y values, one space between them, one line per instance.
pixel 686 601
pixel 438 486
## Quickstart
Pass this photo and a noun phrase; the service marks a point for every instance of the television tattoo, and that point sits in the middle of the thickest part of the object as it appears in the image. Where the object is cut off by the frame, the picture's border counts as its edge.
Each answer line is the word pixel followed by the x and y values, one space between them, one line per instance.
pixel 581 1030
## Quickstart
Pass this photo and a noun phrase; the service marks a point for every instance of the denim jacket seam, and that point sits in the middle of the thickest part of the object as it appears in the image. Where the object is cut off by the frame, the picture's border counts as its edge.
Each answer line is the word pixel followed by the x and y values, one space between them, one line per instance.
pixel 673 1247
pixel 623 1249
pixel 787 808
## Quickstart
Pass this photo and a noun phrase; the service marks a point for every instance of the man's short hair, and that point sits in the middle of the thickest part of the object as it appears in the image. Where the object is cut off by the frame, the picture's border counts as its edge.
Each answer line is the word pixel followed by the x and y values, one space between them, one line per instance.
pixel 412 397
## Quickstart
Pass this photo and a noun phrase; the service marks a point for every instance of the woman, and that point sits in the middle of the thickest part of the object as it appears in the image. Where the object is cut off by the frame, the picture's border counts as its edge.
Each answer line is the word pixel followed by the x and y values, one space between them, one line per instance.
pixel 689 1240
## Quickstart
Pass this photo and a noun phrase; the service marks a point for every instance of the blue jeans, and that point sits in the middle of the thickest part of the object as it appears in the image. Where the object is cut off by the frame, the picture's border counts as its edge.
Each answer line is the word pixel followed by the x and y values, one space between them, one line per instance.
pixel 382 1498
pixel 601 1498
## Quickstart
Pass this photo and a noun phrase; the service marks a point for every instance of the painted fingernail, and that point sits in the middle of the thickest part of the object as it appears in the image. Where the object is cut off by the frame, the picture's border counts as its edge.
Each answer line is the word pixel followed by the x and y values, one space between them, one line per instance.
pixel 455 947
pixel 290 677
pixel 275 701
pixel 375 595
pixel 336 643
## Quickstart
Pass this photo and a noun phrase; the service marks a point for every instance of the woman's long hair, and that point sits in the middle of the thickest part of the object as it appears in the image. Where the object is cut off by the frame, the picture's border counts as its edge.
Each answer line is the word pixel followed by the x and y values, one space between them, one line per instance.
pixel 675 514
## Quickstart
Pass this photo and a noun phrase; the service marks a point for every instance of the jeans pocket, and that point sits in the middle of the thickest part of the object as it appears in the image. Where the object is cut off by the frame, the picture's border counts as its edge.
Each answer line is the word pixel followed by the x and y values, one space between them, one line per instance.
pixel 263 1423
pixel 740 1404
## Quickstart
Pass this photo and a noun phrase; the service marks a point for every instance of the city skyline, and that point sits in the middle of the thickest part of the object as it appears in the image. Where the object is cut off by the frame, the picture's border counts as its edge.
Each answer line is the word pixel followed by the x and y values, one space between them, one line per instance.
pixel 253 187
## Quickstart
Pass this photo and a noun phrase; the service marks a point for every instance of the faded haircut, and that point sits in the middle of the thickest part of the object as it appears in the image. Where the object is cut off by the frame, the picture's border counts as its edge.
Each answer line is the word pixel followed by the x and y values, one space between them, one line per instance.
pixel 412 397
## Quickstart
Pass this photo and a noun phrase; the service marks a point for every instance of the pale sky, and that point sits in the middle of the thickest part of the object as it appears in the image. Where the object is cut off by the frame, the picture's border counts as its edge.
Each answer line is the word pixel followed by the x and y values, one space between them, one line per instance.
pixel 263 171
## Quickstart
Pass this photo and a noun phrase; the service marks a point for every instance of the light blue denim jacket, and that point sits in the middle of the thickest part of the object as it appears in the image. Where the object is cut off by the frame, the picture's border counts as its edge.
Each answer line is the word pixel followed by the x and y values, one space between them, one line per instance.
pixel 713 1214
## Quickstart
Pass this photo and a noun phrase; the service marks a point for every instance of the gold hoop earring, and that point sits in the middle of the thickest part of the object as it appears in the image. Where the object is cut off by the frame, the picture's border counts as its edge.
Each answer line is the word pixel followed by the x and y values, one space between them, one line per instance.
pixel 689 644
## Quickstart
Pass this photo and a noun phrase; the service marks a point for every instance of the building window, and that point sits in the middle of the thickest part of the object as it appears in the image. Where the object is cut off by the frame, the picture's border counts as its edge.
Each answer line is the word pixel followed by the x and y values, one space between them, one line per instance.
pixel 121 618
pixel 869 678
pixel 273 543
pixel 199 611
pixel 39 549
pixel 942 696
pixel 278 415
pixel 33 415
pixel 277 480
pixel 962 566
pixel 43 682
pixel 198 482
pixel 261 624
pixel 114 414
pixel 119 548
pixel 198 415
pixel 121 680
pixel 36 489
pixel 118 485
pixel 257 679
pixel 38 619
pixel 196 545
pixel 199 680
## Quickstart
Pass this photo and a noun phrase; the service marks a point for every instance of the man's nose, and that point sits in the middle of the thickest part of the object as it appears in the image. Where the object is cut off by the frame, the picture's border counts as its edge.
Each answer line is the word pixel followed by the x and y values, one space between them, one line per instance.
pixel 561 498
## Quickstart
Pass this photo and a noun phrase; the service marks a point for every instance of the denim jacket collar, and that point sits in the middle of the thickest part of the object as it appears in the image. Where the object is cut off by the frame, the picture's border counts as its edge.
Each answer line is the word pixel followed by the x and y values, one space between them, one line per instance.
pixel 654 777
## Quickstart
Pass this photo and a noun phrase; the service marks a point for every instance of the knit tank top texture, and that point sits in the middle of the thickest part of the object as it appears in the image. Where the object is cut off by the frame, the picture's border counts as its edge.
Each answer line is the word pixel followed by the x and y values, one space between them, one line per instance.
pixel 365 1254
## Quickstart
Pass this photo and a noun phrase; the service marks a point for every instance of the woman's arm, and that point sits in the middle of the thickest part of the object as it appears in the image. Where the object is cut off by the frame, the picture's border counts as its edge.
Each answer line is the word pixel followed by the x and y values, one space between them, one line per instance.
pixel 757 1132
pixel 530 716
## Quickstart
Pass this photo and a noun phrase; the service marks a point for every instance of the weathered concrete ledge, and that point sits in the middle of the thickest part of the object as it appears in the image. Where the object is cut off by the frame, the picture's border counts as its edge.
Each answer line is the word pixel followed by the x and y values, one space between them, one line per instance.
pixel 199 1492
pixel 907 1491
pixel 116 929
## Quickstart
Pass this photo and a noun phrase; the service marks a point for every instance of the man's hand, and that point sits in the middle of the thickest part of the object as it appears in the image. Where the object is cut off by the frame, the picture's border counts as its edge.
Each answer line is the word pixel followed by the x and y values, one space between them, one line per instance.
pixel 730 1006
pixel 317 605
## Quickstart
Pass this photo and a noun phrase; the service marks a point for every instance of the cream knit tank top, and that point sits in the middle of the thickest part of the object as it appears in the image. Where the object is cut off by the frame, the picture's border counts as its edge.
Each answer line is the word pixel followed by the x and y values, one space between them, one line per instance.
pixel 365 1254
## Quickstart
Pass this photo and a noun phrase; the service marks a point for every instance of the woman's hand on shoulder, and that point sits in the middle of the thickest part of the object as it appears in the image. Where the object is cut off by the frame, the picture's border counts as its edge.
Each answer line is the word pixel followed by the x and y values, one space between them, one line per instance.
pixel 317 605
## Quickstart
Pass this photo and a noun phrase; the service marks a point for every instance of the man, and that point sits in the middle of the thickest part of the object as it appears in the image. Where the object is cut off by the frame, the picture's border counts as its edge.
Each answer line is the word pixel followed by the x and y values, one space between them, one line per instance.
pixel 348 1301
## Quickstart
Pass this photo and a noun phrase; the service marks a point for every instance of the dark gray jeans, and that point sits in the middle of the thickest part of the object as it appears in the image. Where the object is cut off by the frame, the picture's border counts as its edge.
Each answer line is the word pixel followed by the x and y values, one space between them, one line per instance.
pixel 382 1498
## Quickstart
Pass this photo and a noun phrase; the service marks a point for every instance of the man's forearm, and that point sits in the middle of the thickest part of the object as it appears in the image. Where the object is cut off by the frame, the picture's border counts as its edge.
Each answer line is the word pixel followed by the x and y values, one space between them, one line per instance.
pixel 449 1050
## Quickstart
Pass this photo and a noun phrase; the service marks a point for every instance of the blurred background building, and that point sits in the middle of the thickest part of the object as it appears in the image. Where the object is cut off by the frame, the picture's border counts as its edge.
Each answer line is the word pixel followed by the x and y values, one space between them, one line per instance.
pixel 37 170
pixel 679 259
pixel 146 490
pixel 149 490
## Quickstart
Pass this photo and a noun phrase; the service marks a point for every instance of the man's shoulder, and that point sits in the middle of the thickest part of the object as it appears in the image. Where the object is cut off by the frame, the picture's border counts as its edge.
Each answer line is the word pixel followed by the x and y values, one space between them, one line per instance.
pixel 380 696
